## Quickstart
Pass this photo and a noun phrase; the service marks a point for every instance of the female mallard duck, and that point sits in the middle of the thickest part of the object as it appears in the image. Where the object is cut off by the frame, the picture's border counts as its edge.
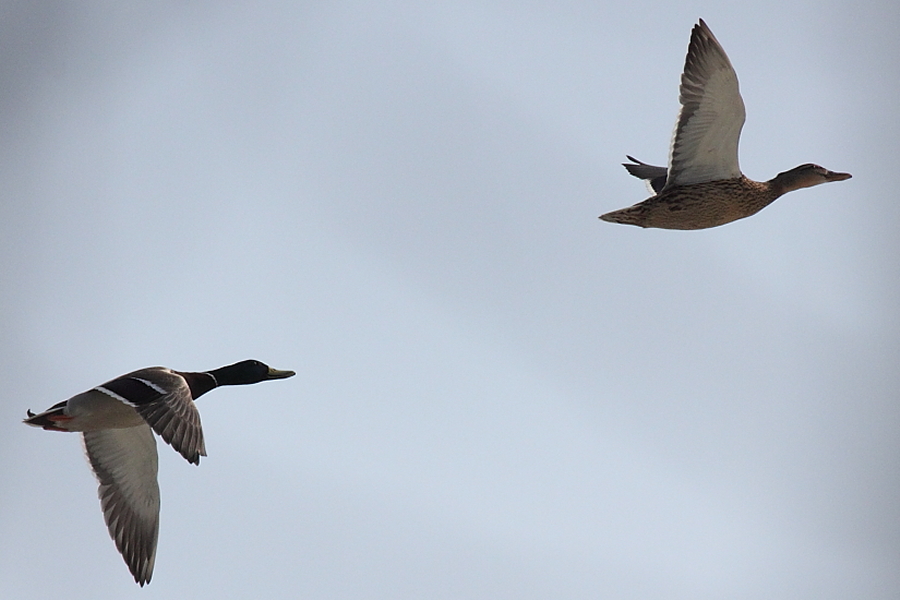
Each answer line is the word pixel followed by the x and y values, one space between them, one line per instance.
pixel 116 420
pixel 703 186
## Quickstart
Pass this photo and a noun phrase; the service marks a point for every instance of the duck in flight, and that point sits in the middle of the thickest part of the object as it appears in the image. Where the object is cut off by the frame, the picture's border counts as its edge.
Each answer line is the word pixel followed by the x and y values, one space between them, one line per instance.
pixel 703 185
pixel 117 420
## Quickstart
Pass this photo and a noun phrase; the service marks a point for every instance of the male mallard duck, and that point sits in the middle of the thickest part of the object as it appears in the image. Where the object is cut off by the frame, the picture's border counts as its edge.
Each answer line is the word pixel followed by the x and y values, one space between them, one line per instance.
pixel 703 186
pixel 116 420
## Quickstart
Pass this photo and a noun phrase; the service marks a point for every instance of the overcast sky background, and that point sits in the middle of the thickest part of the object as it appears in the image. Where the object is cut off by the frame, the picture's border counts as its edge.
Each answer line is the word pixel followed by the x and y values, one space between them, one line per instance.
pixel 497 394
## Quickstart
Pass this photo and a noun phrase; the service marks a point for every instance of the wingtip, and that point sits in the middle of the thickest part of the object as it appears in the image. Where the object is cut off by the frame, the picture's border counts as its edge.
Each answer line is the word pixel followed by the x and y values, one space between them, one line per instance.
pixel 143 577
pixel 702 30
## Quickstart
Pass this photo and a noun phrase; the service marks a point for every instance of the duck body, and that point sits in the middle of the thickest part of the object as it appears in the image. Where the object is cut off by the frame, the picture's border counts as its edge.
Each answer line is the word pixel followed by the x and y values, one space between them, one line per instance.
pixel 703 185
pixel 117 420
pixel 711 203
pixel 698 205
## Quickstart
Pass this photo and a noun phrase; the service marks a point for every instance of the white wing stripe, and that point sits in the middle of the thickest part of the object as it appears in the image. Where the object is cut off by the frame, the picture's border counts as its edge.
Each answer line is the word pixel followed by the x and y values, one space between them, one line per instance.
pixel 151 385
pixel 112 394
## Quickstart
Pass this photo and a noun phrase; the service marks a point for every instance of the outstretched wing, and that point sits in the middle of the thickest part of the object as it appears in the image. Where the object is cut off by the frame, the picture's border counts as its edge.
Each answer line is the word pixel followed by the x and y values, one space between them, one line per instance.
pixel 125 463
pixel 705 143
pixel 163 399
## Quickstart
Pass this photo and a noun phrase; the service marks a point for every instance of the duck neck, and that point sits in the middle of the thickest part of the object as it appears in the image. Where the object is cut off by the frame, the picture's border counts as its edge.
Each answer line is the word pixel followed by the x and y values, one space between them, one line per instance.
pixel 200 383
pixel 786 182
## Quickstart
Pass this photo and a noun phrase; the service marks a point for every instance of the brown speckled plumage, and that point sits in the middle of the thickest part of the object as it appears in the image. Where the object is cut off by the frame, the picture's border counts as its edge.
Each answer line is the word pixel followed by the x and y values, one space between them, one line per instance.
pixel 703 185
pixel 698 206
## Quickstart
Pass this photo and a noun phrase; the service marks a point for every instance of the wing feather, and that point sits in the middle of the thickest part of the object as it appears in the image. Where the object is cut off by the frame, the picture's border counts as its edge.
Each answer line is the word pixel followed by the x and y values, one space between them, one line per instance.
pixel 162 397
pixel 125 463
pixel 705 143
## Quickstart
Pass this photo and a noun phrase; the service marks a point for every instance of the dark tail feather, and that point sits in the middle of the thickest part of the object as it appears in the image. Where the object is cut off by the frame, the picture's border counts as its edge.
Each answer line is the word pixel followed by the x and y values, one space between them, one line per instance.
pixel 43 419
pixel 655 176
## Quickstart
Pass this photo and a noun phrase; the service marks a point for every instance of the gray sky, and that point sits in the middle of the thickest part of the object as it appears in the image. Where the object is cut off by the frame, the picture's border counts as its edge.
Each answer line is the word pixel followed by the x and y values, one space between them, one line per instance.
pixel 498 395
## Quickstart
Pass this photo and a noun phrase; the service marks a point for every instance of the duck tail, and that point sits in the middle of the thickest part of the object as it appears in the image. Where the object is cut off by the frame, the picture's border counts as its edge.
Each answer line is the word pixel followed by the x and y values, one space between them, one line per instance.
pixel 49 419
pixel 632 215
